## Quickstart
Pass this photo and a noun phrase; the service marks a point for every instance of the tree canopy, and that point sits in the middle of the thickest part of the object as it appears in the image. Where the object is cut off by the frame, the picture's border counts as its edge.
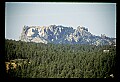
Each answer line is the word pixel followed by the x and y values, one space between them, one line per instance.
pixel 60 60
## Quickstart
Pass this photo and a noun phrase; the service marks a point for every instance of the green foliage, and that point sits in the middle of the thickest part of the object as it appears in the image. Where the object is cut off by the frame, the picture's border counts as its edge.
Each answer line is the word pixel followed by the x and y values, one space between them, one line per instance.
pixel 60 61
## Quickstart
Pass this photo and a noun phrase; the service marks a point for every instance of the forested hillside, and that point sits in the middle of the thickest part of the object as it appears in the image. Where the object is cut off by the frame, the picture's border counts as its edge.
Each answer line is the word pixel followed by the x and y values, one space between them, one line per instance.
pixel 38 60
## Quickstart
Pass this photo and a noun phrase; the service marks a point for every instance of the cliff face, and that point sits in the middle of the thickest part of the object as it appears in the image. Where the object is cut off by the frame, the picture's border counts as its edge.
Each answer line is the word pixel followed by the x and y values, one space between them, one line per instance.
pixel 63 35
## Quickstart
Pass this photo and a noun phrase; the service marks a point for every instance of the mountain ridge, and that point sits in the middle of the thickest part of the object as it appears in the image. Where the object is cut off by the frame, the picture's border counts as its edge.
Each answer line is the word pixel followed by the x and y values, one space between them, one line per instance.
pixel 63 35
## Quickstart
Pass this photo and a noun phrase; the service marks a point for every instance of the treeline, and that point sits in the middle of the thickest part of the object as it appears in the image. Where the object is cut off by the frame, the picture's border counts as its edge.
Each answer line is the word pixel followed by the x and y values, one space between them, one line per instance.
pixel 60 60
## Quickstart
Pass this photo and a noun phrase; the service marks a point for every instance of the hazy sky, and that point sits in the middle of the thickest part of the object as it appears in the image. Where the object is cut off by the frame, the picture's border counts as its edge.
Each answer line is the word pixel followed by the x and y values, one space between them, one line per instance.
pixel 99 18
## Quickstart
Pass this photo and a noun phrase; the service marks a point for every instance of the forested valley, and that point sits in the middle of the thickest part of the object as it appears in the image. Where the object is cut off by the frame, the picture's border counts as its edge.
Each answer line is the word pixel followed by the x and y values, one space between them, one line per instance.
pixel 38 60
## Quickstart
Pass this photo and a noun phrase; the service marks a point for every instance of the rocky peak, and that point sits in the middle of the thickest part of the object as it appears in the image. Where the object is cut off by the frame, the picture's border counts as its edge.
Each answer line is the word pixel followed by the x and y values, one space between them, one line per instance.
pixel 103 36
pixel 60 34
pixel 81 28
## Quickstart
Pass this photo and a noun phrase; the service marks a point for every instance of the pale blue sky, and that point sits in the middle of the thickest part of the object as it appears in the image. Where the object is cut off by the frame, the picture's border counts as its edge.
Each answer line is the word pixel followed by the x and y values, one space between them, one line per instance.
pixel 99 18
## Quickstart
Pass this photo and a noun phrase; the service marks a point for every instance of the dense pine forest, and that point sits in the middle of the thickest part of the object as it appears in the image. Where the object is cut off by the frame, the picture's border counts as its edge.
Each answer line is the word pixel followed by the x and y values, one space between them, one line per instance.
pixel 38 60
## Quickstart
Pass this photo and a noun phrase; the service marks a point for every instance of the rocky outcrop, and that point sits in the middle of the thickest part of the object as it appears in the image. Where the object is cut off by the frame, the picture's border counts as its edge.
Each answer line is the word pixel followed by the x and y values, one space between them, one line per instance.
pixel 63 35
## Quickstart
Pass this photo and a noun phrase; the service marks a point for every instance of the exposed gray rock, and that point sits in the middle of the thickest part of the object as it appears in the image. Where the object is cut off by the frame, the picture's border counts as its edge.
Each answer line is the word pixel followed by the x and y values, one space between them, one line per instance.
pixel 63 35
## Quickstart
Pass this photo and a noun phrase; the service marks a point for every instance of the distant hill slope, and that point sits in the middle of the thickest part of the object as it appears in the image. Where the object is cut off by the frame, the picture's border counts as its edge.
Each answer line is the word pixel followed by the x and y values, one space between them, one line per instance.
pixel 63 35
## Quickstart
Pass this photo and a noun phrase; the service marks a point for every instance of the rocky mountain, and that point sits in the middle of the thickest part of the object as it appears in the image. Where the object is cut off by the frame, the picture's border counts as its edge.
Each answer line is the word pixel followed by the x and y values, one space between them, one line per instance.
pixel 63 35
